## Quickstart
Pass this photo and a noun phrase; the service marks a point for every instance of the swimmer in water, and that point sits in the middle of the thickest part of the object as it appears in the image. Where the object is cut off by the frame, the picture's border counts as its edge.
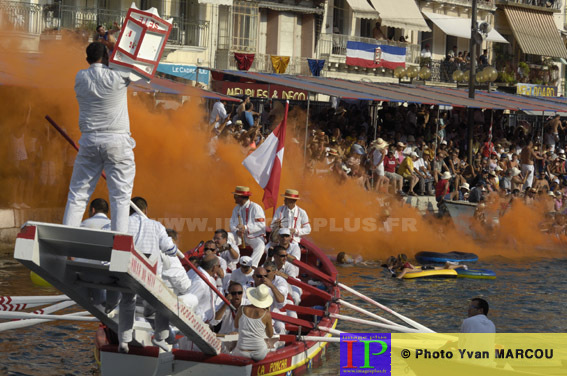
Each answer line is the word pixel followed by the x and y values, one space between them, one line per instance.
pixel 400 266
pixel 346 259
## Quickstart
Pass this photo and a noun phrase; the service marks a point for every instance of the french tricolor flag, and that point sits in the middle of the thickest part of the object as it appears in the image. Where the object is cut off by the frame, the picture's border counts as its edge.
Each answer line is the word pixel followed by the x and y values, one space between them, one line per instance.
pixel 375 56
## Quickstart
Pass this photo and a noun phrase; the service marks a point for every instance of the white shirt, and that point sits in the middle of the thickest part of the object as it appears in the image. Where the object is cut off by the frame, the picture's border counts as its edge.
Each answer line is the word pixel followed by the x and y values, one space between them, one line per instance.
pixel 174 275
pixel 218 110
pixel 283 287
pixel 295 251
pixel 245 280
pixel 227 321
pixel 478 324
pixel 96 222
pixel 103 105
pixel 296 218
pixel 227 257
pixel 290 269
pixel 204 295
pixel 252 217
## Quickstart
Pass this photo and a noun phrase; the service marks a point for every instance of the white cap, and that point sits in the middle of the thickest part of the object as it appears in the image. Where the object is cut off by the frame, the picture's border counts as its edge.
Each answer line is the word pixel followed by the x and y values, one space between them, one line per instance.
pixel 245 261
pixel 284 231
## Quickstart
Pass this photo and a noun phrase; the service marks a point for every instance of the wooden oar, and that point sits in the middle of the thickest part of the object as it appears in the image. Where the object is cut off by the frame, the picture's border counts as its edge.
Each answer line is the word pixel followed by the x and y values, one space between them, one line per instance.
pixel 38 299
pixel 24 315
pixel 416 325
pixel 362 310
pixel 397 328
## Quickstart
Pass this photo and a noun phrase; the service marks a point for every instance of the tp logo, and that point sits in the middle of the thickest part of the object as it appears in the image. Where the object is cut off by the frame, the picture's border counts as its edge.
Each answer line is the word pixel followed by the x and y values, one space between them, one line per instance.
pixel 366 353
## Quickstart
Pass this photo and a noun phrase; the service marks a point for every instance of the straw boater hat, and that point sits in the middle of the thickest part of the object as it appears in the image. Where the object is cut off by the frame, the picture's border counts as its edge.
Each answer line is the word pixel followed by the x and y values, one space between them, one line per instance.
pixel 259 296
pixel 333 152
pixel 465 186
pixel 379 143
pixel 446 175
pixel 291 193
pixel 241 190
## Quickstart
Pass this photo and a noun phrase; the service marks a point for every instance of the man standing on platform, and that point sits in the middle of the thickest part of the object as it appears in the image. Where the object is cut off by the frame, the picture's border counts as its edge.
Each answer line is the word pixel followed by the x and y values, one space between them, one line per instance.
pixel 248 223
pixel 292 216
pixel 105 142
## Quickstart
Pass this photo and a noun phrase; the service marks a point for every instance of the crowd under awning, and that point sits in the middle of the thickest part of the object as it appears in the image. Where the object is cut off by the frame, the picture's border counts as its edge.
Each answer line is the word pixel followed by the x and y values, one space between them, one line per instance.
pixel 390 11
pixel 400 93
pixel 535 31
pixel 460 27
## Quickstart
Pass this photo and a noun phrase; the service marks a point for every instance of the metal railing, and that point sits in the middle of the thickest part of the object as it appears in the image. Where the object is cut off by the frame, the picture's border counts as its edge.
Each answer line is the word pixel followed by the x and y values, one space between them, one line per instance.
pixel 36 19
pixel 548 4
pixel 482 4
pixel 330 45
pixel 21 17
pixel 263 63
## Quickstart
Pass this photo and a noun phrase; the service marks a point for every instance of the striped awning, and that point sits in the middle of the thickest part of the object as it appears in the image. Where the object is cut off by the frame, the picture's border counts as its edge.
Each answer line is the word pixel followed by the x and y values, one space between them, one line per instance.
pixel 216 2
pixel 391 10
pixel 362 9
pixel 535 31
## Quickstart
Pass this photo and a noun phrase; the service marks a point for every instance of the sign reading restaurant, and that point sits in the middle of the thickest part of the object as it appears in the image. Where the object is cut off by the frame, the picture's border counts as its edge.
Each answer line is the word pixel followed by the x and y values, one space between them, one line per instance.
pixel 536 90
pixel 259 90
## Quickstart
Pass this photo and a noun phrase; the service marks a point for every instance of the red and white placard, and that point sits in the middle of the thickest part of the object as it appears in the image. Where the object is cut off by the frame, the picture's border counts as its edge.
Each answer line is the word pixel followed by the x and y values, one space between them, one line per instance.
pixel 141 42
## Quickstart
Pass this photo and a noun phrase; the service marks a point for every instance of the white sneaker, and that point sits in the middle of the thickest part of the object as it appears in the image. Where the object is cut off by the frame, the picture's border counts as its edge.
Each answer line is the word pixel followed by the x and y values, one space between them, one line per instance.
pixel 161 344
pixel 123 348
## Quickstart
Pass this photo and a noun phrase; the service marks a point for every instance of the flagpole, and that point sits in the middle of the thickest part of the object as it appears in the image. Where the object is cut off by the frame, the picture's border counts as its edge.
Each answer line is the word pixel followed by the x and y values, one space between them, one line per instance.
pixel 306 132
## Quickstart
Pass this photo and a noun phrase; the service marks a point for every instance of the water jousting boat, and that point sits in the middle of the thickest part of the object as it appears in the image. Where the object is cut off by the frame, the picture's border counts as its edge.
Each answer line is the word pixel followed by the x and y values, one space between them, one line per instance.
pixel 76 260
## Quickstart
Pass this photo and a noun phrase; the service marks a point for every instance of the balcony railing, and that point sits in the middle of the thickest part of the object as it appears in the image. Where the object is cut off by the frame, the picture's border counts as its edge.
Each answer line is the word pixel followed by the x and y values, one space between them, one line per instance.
pixel 547 4
pixel 36 19
pixel 335 46
pixel 482 4
pixel 21 17
pixel 263 63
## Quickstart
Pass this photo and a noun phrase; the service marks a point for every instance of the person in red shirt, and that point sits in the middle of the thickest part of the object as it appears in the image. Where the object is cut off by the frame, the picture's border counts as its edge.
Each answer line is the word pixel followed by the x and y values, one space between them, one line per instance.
pixel 442 188
pixel 390 165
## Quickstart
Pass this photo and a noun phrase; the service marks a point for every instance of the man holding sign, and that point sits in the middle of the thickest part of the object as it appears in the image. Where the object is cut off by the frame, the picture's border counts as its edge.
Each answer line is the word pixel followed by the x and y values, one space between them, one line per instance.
pixel 105 142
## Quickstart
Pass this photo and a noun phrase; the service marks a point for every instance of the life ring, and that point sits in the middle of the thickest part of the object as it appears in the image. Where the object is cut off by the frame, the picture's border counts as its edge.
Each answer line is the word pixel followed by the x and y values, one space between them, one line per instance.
pixel 441 258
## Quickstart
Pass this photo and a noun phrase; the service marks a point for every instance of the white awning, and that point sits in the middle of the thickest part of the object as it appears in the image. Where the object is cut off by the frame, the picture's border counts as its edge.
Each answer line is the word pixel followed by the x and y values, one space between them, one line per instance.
pixel 216 2
pixel 290 8
pixel 460 27
pixel 390 11
pixel 362 9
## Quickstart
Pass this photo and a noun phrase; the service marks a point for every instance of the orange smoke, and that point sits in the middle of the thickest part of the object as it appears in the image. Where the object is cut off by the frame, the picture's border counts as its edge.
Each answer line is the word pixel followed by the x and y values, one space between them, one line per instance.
pixel 190 190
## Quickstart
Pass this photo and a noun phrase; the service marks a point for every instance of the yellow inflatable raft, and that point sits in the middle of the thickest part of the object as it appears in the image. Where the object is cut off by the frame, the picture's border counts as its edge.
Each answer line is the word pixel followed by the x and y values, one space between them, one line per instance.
pixel 441 273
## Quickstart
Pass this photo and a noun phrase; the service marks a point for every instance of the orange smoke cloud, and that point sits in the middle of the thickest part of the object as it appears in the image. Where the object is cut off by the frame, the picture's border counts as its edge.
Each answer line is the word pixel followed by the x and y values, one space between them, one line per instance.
pixel 190 190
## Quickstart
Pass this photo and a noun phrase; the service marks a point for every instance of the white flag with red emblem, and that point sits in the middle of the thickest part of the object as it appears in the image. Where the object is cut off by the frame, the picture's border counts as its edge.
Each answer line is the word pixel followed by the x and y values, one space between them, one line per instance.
pixel 265 163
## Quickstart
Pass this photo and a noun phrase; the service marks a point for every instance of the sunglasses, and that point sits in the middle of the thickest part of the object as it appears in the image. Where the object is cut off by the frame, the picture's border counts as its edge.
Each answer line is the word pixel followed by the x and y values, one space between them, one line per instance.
pixel 282 255
pixel 236 292
pixel 210 249
pixel 260 275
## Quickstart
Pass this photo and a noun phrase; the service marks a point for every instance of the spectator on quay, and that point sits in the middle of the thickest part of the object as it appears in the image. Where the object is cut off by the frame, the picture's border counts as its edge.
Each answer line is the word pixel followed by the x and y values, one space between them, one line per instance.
pixel 377 32
pixel 407 171
pixel 527 158
pixel 106 37
pixel 443 187
pixel 483 59
pixel 390 167
pixel 426 52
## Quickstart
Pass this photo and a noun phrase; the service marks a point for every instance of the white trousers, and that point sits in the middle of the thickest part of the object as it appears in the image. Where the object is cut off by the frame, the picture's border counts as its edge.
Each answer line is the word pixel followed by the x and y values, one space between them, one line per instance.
pixel 258 247
pixel 529 171
pixel 126 315
pixel 113 153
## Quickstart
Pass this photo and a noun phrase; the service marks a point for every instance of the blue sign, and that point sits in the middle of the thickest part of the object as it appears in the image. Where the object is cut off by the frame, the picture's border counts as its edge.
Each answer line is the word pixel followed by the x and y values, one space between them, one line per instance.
pixel 189 72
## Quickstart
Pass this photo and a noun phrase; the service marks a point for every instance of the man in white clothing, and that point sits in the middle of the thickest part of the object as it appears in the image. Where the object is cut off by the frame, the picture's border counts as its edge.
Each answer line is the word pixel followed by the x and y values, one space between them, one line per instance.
pixel 292 249
pixel 248 223
pixel 205 298
pixel 477 322
pixel 226 249
pixel 218 114
pixel 292 216
pixel 98 215
pixel 224 315
pixel 245 274
pixel 285 270
pixel 105 142
pixel 150 238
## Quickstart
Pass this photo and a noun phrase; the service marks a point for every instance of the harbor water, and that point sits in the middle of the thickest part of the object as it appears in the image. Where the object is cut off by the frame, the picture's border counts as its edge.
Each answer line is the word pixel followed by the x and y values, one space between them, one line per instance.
pixel 526 297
